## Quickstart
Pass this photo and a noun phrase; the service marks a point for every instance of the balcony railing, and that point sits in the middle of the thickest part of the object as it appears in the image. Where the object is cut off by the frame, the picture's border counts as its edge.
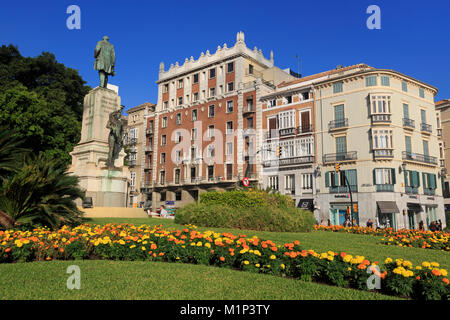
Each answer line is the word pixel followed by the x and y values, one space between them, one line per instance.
pixel 338 124
pixel 271 135
pixel 132 163
pixel 287 132
pixel 148 149
pixel 132 141
pixel 341 189
pixel 383 153
pixel 383 118
pixel 288 161
pixel 385 187
pixel 304 129
pixel 149 131
pixel 442 162
pixel 412 190
pixel 429 192
pixel 343 156
pixel 424 127
pixel 409 123
pixel 439 132
pixel 417 157
pixel 249 109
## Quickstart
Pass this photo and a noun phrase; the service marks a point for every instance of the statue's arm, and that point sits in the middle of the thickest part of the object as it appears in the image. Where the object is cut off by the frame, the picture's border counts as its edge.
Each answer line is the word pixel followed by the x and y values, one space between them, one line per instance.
pixel 97 50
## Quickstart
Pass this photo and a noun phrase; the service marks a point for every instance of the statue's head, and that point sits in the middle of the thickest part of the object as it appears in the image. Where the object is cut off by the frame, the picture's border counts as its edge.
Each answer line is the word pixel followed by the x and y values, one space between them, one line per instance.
pixel 106 38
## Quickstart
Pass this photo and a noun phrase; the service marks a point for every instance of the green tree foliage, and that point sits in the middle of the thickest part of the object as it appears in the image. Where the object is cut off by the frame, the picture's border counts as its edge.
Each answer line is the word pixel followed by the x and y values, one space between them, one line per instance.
pixel 42 100
pixel 40 193
pixel 11 153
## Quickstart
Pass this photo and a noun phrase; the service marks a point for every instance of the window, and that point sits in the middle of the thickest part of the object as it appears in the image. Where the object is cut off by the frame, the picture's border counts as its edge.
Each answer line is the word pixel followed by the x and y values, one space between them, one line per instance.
pixel 164 122
pixel 133 179
pixel 307 180
pixel 371 81
pixel 383 176
pixel 195 96
pixel 194 134
pixel 163 140
pixel 425 148
pixel 212 92
pixel 405 111
pixel 180 83
pixel 165 105
pixel 163 194
pixel 195 78
pixel 166 88
pixel 162 180
pixel 230 86
pixel 305 96
pixel 178 118
pixel 382 139
pixel 408 144
pixel 210 151
pixel 194 115
pixel 273 182
pixel 287 99
pixel 210 172
pixel 250 122
pixel 229 148
pixel 380 104
pixel 211 131
pixel 229 171
pixel 229 106
pixel 404 86
pixel 385 81
pixel 229 127
pixel 339 116
pixel 337 87
pixel 180 101
pixel 423 116
pixel 230 67
pixel 429 181
pixel 421 93
pixel 250 69
pixel 212 73
pixel 163 157
pixel 178 194
pixel 289 183
pixel 178 156
pixel 286 119
pixel 411 178
pixel 272 103
pixel 178 137
pixel 211 111
pixel 341 145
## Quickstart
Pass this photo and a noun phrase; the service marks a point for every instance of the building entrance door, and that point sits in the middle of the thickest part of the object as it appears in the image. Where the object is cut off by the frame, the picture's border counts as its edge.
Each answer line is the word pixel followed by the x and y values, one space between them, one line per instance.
pixel 411 219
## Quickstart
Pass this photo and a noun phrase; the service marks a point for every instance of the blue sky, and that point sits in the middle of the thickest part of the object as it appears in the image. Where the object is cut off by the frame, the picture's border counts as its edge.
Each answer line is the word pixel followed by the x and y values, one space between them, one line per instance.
pixel 414 35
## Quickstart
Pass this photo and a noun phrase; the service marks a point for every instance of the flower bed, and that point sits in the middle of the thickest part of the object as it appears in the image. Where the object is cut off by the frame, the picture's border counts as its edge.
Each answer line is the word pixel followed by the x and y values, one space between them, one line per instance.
pixel 129 242
pixel 404 238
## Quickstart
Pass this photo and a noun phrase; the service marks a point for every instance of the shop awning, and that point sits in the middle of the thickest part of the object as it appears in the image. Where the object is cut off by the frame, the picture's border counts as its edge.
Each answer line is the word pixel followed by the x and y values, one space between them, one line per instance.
pixel 306 204
pixel 414 206
pixel 387 207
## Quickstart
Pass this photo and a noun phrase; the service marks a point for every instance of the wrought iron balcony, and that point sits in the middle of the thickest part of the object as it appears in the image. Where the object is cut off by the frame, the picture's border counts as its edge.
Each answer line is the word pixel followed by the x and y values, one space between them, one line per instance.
pixel 132 141
pixel 412 190
pixel 385 187
pixel 148 149
pixel 381 118
pixel 429 192
pixel 424 127
pixel 409 123
pixel 338 124
pixel 341 189
pixel 343 156
pixel 288 161
pixel 249 110
pixel 287 132
pixel 149 131
pixel 132 163
pixel 304 129
pixel 417 157
pixel 383 153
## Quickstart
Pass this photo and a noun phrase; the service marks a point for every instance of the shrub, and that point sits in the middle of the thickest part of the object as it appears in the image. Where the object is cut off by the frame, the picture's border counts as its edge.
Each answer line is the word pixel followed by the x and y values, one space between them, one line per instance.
pixel 261 218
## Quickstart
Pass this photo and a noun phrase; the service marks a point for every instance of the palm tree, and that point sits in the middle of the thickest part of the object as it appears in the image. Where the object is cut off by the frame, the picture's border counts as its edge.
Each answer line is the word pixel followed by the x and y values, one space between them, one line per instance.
pixel 11 152
pixel 40 193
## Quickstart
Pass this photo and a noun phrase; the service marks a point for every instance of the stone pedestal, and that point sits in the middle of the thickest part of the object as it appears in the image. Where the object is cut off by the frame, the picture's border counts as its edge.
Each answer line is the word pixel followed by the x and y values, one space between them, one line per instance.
pixel 107 187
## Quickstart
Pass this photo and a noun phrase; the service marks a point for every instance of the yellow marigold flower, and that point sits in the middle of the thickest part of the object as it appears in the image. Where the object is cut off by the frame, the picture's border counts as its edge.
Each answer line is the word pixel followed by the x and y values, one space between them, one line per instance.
pixel 256 252
pixel 133 246
pixel 208 245
pixel 272 257
pixel 246 262
pixel 257 265
pixel 282 266
pixel 331 258
pixel 121 242
pixel 199 244
pixel 243 251
pixel 444 272
pixel 434 264
pixel 323 255
pixel 426 264
pixel 407 264
pixel 349 268
pixel 143 248
pixel 419 268
pixel 348 258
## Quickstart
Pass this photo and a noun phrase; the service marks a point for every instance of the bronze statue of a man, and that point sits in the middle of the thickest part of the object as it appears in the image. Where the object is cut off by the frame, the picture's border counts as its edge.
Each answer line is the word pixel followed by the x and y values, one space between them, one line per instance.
pixel 105 60
pixel 116 134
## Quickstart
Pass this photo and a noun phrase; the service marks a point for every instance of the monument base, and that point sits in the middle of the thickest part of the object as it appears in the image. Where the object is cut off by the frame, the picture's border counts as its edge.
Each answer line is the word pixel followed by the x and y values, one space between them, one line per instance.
pixel 108 187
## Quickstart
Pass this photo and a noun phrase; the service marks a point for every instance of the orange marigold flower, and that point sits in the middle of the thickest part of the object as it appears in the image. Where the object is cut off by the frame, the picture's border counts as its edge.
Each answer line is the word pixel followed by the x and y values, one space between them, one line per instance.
pixel 418 278
pixel 296 242
pixel 361 266
pixel 343 254
pixel 436 272
pixel 446 281
pixel 222 259
pixel 8 250
pixel 61 249
pixel 274 249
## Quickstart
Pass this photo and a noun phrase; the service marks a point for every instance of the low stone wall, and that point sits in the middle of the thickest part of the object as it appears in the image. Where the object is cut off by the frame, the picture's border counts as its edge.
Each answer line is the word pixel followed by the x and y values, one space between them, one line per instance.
pixel 113 212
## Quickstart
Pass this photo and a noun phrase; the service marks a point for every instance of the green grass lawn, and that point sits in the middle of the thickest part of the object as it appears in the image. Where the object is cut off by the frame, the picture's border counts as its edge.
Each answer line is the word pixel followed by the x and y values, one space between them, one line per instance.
pixel 158 281
pixel 321 241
